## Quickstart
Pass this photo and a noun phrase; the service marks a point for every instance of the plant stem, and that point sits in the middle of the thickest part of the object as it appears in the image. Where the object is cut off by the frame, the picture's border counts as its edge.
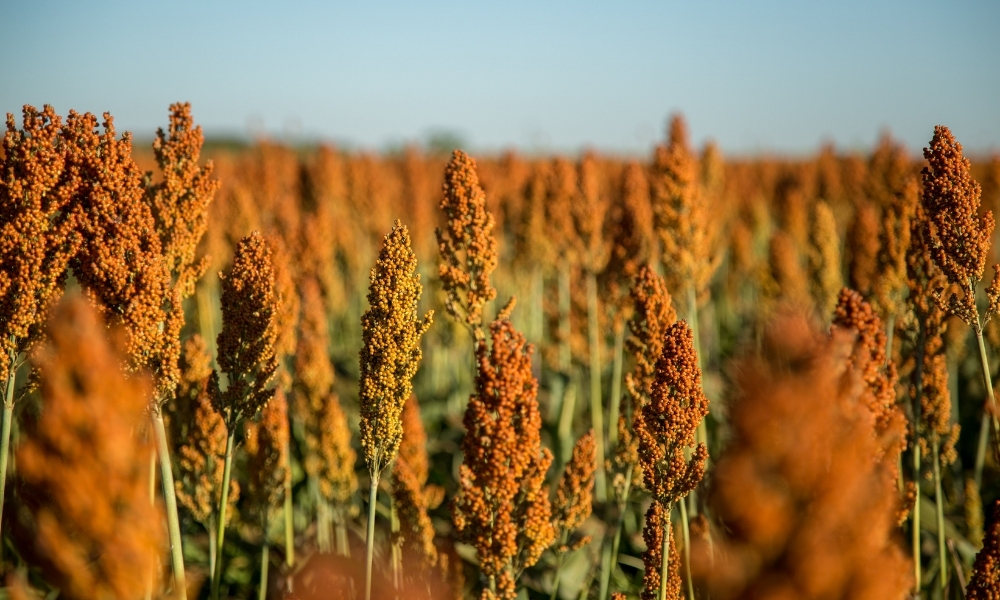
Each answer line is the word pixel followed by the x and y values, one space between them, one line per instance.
pixel 702 432
pixel 289 519
pixel 8 418
pixel 559 564
pixel 221 531
pixel 939 500
pixel 396 555
pixel 616 540
pixel 370 540
pixel 170 498
pixel 918 398
pixel 265 555
pixel 988 411
pixel 596 403
pixel 665 552
pixel 616 384
pixel 212 541
pixel 686 531
pixel 890 330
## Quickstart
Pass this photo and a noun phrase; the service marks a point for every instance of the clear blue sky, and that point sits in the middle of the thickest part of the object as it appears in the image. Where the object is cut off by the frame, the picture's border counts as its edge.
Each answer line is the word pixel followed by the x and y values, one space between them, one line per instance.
pixel 777 76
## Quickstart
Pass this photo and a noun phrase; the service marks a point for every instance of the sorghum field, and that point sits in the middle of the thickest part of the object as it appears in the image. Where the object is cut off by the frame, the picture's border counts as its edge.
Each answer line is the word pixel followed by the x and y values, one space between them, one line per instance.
pixel 297 372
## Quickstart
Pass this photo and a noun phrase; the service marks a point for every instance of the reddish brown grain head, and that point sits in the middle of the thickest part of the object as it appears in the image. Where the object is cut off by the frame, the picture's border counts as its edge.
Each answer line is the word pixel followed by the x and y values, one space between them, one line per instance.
pixel 466 244
pixel 502 508
pixel 268 469
pixel 179 202
pixel 670 419
pixel 37 235
pixel 246 346
pixel 807 512
pixel 83 469
pixel 985 581
pixel 961 236
pixel 120 262
pixel 574 494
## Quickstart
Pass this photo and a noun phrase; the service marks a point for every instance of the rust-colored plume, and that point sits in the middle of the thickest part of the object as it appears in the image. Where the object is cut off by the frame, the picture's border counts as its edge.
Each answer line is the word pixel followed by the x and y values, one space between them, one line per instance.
pixel 574 494
pixel 502 508
pixel 863 241
pixel 466 244
pixel 652 314
pixel 83 471
pixel 961 236
pixel 670 419
pixel 180 202
pixel 807 512
pixel 246 346
pixel 268 471
pixel 412 497
pixel 682 218
pixel 825 276
pixel 657 525
pixel 37 237
pixel 120 262
pixel 985 581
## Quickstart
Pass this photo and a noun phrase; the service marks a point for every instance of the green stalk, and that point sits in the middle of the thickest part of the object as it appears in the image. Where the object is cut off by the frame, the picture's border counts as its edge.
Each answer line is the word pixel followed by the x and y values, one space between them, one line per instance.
pixel 8 418
pixel 370 540
pixel 665 552
pixel 987 413
pixel 596 404
pixel 616 384
pixel 170 498
pixel 939 501
pixel 686 532
pixel 265 555
pixel 212 541
pixel 221 531
pixel 289 525
pixel 616 539
pixel 559 564
pixel 396 556
pixel 565 426
pixel 152 502
pixel 702 433
pixel 918 397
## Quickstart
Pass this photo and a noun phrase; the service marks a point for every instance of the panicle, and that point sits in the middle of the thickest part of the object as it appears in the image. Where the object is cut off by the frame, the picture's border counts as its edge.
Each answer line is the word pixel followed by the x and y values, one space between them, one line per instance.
pixel 670 419
pixel 652 314
pixel 890 284
pixel 288 302
pixel 790 280
pixel 120 261
pixel 391 352
pixel 502 507
pixel 467 246
pixel 960 236
pixel 246 345
pixel 410 494
pixel 336 457
pixel 589 210
pixel 630 220
pixel 574 495
pixel 681 216
pixel 200 461
pixel 37 234
pixel 314 374
pixel 825 275
pixel 83 472
pixel 985 581
pixel 863 241
pixel 268 470
pixel 808 513
pixel 655 527
pixel 180 202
